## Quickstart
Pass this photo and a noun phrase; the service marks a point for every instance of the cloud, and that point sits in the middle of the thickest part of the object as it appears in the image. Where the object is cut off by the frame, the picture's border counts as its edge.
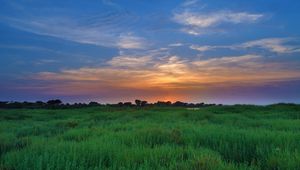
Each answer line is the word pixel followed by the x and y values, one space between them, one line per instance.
pixel 168 73
pixel 131 42
pixel 193 31
pixel 198 23
pixel 225 60
pixel 202 48
pixel 45 61
pixel 190 3
pixel 173 65
pixel 249 69
pixel 209 20
pixel 65 28
pixel 129 61
pixel 276 45
pixel 110 3
pixel 175 45
pixel 110 28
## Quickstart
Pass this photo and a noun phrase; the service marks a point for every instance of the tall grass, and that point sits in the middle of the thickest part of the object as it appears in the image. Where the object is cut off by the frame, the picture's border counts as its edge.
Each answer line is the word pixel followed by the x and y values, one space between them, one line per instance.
pixel 228 137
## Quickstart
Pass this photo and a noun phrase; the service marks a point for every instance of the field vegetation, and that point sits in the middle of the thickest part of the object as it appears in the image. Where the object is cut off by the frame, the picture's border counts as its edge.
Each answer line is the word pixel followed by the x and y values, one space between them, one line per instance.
pixel 151 137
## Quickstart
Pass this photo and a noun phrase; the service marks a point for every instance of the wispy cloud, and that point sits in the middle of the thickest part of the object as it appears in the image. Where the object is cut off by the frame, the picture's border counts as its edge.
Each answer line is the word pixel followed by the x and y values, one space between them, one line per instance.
pixel 173 65
pixel 131 42
pixel 46 61
pixel 208 20
pixel 176 45
pixel 229 61
pixel 202 48
pixel 110 3
pixel 169 72
pixel 130 61
pixel 109 29
pixel 196 23
pixel 64 28
pixel 188 3
pixel 275 45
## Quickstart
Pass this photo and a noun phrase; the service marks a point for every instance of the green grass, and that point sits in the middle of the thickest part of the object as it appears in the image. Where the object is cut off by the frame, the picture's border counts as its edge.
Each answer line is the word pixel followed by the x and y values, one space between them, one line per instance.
pixel 212 138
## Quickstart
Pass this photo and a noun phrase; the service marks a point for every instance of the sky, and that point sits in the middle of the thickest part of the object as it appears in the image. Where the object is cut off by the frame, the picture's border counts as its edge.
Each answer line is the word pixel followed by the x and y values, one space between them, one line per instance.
pixel 213 51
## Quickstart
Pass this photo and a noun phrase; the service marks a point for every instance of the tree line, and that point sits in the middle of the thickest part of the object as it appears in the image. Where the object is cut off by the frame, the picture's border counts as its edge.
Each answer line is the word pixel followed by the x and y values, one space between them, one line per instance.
pixel 57 103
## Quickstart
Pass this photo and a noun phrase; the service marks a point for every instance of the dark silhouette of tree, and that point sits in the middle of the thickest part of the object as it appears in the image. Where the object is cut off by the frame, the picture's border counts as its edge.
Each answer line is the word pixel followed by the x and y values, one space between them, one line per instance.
pixel 162 103
pixel 39 103
pixel 80 105
pixel 200 104
pixel 16 105
pixel 191 105
pixel 180 104
pixel 144 103
pixel 94 104
pixel 127 104
pixel 53 104
pixel 3 104
pixel 138 103
pixel 56 102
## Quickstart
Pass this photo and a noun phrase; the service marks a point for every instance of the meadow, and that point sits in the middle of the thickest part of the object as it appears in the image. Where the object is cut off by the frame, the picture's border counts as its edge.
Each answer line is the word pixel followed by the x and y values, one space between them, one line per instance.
pixel 210 138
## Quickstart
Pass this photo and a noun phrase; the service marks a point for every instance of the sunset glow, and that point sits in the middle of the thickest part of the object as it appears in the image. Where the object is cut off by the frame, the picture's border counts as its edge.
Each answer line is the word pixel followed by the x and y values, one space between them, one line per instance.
pixel 110 51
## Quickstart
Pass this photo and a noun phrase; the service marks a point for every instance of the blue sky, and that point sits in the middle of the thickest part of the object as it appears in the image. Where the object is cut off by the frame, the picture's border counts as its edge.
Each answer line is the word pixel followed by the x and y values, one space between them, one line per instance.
pixel 109 50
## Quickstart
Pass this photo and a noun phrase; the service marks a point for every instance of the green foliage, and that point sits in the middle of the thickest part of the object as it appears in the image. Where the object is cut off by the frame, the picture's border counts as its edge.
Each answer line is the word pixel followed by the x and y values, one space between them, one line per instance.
pixel 210 138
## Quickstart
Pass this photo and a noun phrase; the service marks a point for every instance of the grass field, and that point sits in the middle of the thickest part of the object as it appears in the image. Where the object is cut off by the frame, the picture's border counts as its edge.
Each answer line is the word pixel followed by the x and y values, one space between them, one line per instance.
pixel 217 137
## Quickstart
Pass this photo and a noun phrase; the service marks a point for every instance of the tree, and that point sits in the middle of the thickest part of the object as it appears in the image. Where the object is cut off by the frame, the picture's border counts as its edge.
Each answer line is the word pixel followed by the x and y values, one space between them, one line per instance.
pixel 163 103
pixel 56 102
pixel 127 104
pixel 39 103
pixel 200 104
pixel 138 103
pixel 179 103
pixel 143 103
pixel 120 104
pixel 4 104
pixel 168 103
pixel 93 104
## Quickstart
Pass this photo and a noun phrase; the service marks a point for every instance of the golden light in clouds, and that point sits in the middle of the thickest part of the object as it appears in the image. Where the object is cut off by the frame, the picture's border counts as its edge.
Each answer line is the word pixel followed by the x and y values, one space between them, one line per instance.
pixel 164 79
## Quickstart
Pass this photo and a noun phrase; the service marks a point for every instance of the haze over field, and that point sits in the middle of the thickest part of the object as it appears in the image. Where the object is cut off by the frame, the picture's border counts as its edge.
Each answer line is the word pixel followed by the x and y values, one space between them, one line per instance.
pixel 110 51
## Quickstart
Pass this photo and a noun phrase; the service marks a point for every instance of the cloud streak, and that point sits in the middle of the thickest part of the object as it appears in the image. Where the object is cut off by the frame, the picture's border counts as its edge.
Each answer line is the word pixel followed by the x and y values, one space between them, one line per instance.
pixel 197 23
pixel 109 29
pixel 209 20
pixel 168 73
pixel 129 61
pixel 275 45
pixel 131 42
